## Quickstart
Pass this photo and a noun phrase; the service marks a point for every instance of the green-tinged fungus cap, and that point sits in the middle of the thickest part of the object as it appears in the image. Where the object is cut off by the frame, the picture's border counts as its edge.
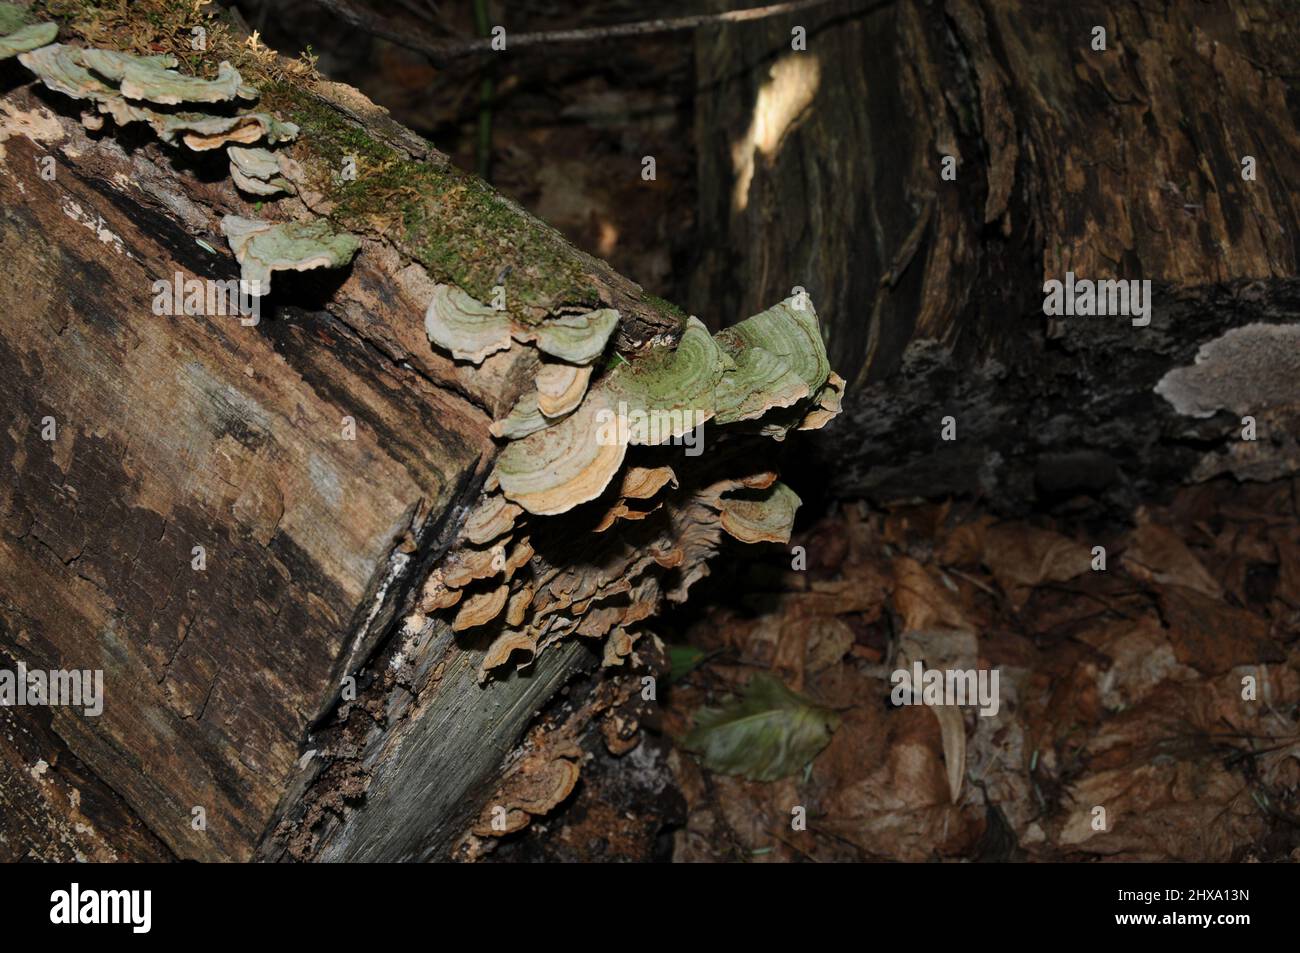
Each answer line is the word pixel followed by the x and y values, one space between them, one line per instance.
pixel 681 383
pixel 256 171
pixel 576 338
pixel 151 79
pixel 524 418
pixel 25 38
pixel 790 333
pixel 202 132
pixel 262 248
pixel 59 67
pixel 13 17
pixel 757 382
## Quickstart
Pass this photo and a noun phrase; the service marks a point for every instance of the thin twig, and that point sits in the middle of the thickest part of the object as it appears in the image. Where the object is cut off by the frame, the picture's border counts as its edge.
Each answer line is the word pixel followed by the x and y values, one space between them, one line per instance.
pixel 483 145
pixel 454 48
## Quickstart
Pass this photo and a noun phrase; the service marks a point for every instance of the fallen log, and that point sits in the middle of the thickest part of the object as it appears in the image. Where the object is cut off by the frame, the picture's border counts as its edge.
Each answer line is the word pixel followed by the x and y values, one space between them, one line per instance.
pixel 332 543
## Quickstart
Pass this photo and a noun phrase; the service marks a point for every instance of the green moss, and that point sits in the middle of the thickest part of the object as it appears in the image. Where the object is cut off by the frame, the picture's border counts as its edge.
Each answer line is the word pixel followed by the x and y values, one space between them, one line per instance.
pixel 668 308
pixel 451 222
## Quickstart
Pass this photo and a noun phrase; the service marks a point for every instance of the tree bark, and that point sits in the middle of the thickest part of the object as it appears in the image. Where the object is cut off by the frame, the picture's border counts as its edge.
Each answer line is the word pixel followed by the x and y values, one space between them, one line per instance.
pixel 823 168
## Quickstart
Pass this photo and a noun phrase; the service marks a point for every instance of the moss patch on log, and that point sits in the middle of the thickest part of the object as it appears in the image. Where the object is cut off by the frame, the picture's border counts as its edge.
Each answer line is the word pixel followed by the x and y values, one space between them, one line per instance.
pixel 448 220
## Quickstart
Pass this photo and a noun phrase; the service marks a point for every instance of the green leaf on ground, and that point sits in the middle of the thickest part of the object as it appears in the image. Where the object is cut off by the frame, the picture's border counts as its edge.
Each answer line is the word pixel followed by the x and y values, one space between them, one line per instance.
pixel 683 659
pixel 768 733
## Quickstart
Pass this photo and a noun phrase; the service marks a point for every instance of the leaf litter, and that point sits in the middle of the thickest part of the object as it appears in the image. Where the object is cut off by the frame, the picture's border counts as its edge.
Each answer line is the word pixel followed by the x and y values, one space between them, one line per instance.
pixel 1164 689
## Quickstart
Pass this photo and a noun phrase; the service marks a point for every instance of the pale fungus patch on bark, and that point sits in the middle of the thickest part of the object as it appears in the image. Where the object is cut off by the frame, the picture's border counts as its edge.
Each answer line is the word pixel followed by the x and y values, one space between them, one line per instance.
pixel 39 125
pixel 257 171
pixel 1248 370
pixel 262 248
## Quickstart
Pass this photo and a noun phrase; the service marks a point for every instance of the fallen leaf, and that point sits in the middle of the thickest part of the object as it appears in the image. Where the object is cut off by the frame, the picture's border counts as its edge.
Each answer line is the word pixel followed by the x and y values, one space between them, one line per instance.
pixel 767 734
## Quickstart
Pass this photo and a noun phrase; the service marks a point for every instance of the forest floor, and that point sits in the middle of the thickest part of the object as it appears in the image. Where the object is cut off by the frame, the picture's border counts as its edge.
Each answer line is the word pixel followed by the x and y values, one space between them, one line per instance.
pixel 1164 689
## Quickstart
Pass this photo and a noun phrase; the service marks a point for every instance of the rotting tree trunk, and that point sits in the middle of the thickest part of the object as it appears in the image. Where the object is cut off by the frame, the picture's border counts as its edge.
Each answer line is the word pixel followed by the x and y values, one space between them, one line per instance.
pixel 176 432
pixel 324 459
pixel 822 168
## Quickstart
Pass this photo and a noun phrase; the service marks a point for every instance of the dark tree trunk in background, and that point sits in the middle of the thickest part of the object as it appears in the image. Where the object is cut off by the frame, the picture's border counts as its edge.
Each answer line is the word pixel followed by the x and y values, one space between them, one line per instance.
pixel 822 169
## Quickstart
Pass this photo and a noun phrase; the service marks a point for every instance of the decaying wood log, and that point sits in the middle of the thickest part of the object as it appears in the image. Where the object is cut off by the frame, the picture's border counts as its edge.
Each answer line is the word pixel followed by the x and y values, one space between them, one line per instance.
pixel 1170 155
pixel 320 592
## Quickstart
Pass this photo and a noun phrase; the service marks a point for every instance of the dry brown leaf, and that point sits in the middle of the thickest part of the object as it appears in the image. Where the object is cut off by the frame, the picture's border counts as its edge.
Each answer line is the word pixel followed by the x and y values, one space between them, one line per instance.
pixel 1157 554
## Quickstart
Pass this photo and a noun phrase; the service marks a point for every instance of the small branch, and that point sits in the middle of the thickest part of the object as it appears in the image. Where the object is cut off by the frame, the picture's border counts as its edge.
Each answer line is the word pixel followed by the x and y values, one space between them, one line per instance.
pixel 483 147
pixel 455 48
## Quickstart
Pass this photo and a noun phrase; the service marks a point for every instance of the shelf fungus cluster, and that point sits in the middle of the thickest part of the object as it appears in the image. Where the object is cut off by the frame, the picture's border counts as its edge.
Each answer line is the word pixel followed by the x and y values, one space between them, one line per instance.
pixel 595 514
pixel 198 114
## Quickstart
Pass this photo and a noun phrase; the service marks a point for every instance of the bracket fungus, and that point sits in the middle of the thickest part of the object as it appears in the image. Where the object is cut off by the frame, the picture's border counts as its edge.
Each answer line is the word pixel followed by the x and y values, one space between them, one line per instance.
pixel 257 171
pixel 153 79
pixel 491 519
pixel 18 34
pixel 457 322
pixel 265 247
pixel 555 469
pixel 202 133
pixel 827 406
pixel 641 483
pixel 576 338
pixel 678 385
pixel 757 382
pixel 788 331
pixel 743 373
pixel 603 574
pixel 524 418
pixel 760 515
pixel 773 352
pixel 480 609
pixel 126 87
pixel 469 329
pixel 560 388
